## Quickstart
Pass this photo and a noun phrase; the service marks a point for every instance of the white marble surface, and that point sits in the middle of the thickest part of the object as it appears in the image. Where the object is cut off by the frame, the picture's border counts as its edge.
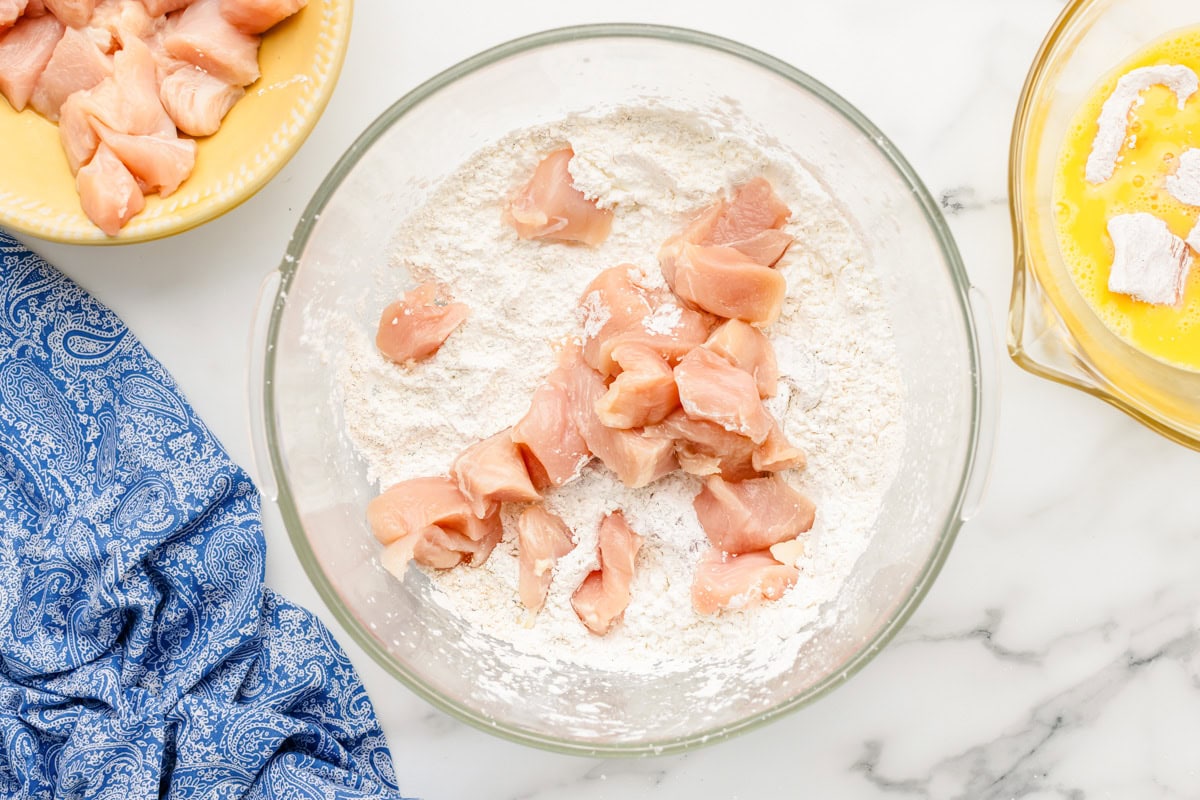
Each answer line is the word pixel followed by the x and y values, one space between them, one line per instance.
pixel 1058 655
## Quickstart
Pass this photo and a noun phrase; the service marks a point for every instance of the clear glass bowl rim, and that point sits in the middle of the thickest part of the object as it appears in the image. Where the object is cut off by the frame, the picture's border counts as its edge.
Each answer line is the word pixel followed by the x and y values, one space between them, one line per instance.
pixel 285 497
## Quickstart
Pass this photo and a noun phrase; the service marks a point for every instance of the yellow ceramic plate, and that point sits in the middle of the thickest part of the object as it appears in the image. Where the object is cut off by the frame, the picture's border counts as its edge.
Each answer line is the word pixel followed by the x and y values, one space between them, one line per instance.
pixel 300 60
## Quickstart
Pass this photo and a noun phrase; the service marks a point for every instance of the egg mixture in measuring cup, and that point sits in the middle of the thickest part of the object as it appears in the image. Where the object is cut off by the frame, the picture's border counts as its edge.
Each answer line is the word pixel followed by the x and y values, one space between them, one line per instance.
pixel 1160 128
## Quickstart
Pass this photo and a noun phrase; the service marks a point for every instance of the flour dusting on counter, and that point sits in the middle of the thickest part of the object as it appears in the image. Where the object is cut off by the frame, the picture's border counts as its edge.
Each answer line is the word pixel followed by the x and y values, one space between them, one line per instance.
pixel 839 400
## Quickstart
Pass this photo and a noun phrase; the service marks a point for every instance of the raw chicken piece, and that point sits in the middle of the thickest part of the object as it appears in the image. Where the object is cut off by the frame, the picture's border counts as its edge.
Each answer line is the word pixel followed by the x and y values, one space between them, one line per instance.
pixel 75 13
pixel 103 39
pixel 747 348
pixel 106 103
pixel 256 16
pixel 776 453
pixel 695 232
pixel 602 597
pixel 644 392
pixel 159 164
pixel 669 329
pixel 197 101
pixel 415 326
pixel 723 581
pixel 24 52
pixel 159 8
pixel 747 222
pixel 764 248
pixel 116 21
pixel 492 472
pixel 618 310
pixel 203 37
pixel 136 74
pixel 128 101
pixel 429 520
pixel 438 548
pixel 636 459
pixel 542 539
pixel 705 448
pixel 164 62
pixel 713 389
pixel 611 303
pixel 108 192
pixel 76 65
pixel 727 283
pixel 753 209
pixel 550 207
pixel 751 515
pixel 412 505
pixel 433 547
pixel 553 449
pixel 75 131
pixel 10 12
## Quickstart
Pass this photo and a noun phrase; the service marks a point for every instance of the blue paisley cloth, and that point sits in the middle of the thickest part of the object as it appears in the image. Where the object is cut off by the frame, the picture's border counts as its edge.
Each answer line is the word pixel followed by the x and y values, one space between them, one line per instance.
pixel 140 655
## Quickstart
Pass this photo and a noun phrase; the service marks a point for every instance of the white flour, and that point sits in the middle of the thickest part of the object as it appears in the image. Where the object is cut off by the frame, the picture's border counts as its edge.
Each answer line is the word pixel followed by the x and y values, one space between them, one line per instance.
pixel 840 400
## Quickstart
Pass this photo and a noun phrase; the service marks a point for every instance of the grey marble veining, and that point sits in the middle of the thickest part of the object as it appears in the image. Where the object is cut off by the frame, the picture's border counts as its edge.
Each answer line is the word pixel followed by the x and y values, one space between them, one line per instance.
pixel 1058 654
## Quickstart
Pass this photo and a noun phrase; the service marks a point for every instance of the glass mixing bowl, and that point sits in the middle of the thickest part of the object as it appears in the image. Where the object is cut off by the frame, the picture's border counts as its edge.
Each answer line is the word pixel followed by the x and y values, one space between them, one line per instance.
pixel 1052 331
pixel 346 231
